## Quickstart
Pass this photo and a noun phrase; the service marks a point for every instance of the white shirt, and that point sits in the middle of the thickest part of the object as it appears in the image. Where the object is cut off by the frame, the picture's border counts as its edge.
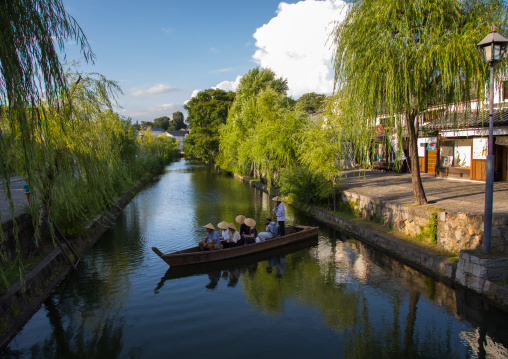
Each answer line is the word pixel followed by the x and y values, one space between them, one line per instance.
pixel 280 212
pixel 225 233
pixel 235 237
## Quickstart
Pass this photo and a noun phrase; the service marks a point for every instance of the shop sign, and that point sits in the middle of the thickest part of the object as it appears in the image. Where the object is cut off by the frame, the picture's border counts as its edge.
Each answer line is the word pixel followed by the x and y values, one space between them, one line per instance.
pixel 431 146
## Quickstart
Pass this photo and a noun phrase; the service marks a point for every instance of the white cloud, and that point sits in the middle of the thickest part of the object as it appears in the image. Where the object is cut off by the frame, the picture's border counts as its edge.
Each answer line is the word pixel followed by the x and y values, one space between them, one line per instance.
pixel 214 50
pixel 295 44
pixel 229 85
pixel 153 91
pixel 227 69
pixel 195 93
pixel 224 85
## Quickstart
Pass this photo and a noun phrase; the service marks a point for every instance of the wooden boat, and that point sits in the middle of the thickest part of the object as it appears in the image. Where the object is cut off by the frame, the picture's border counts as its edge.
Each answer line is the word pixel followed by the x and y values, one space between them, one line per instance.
pixel 193 255
pixel 234 263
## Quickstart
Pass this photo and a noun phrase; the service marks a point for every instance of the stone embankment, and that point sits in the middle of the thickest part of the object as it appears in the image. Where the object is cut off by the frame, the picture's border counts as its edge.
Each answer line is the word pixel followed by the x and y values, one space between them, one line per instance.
pixel 453 231
pixel 22 299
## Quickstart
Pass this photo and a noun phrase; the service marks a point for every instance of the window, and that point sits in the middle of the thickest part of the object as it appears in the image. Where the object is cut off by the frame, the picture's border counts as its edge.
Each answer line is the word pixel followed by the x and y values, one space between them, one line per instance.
pixel 455 153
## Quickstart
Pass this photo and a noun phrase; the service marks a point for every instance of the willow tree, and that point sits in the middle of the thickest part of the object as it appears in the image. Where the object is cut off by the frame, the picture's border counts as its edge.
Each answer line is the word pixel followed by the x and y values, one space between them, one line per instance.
pixel 394 59
pixel 33 35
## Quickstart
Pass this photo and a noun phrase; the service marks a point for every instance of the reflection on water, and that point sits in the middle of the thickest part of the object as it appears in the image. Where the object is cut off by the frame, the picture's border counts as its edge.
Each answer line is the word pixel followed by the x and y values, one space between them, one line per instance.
pixel 331 296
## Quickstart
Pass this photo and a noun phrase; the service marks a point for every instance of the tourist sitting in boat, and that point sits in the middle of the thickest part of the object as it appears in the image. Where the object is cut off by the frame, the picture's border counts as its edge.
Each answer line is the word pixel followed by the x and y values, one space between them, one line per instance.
pixel 240 219
pixel 225 231
pixel 252 232
pixel 212 240
pixel 272 231
pixel 233 237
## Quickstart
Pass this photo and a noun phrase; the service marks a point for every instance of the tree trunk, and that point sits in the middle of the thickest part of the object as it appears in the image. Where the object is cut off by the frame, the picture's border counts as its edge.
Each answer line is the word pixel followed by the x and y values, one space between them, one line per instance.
pixel 416 181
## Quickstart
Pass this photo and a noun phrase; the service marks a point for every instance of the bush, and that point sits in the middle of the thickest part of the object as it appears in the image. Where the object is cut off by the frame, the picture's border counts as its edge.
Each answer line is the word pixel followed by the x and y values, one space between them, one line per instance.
pixel 301 184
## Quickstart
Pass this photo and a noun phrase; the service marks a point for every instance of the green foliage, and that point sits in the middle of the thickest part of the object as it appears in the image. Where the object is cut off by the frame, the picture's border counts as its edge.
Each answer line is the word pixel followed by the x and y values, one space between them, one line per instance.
pixel 32 34
pixel 135 126
pixel 162 122
pixel 178 121
pixel 299 183
pixel 207 112
pixel 145 125
pixel 81 156
pixel 261 130
pixel 430 230
pixel 267 136
pixel 311 102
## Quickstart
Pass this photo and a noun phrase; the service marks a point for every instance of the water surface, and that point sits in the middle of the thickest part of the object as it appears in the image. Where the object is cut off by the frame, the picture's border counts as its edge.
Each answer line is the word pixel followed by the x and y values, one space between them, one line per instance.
pixel 333 297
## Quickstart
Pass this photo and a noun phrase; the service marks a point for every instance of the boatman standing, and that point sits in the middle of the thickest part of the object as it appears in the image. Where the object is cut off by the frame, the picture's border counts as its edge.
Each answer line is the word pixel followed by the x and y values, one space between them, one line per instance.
pixel 280 212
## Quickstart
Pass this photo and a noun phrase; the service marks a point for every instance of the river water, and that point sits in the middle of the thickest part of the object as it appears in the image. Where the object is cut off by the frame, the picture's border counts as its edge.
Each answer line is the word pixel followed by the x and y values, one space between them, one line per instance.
pixel 333 297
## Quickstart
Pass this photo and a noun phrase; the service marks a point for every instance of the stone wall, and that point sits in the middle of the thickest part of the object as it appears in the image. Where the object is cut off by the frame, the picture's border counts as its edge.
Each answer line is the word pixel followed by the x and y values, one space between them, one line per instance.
pixel 483 274
pixel 453 231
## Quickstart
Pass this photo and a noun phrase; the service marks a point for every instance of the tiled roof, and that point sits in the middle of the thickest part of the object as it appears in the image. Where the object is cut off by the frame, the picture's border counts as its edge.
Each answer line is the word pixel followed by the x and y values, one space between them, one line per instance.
pixel 466 119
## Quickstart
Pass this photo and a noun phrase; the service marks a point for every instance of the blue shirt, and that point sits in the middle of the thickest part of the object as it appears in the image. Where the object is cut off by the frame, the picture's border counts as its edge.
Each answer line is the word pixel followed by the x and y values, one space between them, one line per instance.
pixel 273 228
pixel 213 236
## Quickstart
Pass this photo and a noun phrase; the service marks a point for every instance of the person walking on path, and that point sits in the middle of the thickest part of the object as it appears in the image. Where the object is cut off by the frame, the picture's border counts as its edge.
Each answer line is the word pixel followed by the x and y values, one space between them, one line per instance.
pixel 280 212
pixel 28 194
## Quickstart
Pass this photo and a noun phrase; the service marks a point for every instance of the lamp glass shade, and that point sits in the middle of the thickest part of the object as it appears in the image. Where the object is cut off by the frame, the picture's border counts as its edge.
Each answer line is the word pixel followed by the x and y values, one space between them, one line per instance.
pixel 487 53
pixel 497 52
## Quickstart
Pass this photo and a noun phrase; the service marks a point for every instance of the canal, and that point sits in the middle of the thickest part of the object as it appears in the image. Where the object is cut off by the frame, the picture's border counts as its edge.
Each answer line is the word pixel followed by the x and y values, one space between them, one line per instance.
pixel 334 297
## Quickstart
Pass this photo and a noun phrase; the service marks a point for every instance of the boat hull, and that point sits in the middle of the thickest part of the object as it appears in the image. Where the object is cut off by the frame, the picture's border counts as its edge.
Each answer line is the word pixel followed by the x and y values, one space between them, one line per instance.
pixel 195 256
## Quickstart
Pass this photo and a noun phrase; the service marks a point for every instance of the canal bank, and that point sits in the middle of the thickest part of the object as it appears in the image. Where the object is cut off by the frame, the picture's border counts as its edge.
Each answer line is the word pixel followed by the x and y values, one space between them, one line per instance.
pixel 383 201
pixel 22 299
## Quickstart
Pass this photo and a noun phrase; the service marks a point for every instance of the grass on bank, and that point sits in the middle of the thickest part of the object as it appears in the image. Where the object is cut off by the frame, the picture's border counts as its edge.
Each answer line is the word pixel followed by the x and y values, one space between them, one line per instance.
pixel 11 270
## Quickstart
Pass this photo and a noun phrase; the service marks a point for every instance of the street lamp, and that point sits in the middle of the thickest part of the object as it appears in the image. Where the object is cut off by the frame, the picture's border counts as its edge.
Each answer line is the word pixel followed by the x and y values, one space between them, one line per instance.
pixel 142 136
pixel 492 49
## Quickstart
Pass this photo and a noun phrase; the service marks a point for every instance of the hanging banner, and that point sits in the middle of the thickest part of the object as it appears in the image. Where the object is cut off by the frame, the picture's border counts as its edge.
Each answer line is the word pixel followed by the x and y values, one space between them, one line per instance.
pixel 431 146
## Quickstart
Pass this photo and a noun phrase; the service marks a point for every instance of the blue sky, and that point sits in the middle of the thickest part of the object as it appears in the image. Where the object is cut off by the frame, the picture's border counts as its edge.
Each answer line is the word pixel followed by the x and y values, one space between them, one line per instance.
pixel 163 52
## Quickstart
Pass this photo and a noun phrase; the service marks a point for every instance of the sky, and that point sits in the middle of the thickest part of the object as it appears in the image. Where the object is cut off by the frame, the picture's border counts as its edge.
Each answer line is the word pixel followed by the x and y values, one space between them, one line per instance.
pixel 163 52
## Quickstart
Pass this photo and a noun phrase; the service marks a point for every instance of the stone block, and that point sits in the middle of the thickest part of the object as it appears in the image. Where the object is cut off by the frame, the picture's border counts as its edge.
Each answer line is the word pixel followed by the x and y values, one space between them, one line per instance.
pixel 460 265
pixel 501 262
pixel 449 271
pixel 474 259
pixel 442 216
pixel 495 274
pixel 486 286
pixel 400 224
pixel 460 276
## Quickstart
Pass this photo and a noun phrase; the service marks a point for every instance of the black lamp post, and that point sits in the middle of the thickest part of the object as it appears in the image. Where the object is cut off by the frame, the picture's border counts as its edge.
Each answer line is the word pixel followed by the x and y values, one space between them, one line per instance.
pixel 492 49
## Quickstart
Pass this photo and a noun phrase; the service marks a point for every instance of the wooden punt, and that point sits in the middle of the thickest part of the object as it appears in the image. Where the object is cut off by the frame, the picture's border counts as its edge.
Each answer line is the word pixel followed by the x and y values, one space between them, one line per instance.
pixel 193 255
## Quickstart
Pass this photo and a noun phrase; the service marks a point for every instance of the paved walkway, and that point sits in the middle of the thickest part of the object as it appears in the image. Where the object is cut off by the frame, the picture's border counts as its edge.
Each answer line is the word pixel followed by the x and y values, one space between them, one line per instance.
pixel 449 194
pixel 18 198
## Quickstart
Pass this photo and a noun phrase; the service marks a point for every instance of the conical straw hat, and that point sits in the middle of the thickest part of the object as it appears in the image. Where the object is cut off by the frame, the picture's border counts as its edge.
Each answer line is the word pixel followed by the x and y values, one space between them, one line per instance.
pixel 277 198
pixel 223 225
pixel 210 226
pixel 232 226
pixel 250 222
pixel 240 219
